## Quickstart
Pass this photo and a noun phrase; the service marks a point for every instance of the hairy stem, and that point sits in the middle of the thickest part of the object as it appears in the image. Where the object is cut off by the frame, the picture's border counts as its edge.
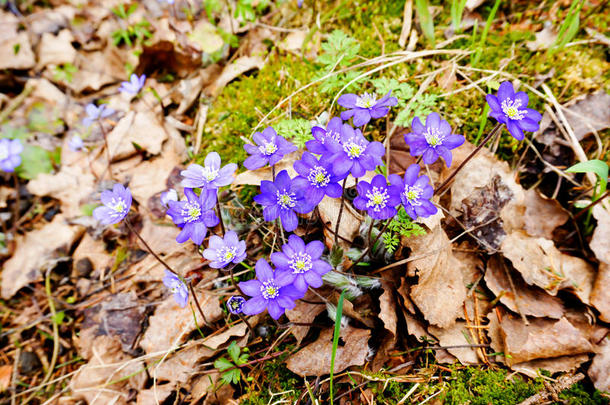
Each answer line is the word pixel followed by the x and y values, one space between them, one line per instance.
pixel 340 211
pixel 370 248
pixel 222 224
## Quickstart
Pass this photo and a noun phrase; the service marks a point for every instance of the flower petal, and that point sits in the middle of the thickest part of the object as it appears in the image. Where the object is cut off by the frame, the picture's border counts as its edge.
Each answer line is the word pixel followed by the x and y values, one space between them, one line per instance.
pixel 264 272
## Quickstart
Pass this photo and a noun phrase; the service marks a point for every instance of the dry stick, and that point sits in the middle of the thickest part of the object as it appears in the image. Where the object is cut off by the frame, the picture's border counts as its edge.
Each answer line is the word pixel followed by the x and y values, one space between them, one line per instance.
pixel 340 211
pixel 497 128
pixel 99 122
pixel 222 224
pixel 156 256
pixel 370 246
pixel 564 382
pixel 594 203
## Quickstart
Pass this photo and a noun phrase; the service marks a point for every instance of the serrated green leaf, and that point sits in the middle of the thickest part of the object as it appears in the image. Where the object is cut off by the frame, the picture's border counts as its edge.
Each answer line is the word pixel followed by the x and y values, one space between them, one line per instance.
pixel 298 130
pixel 338 48
pixel 402 91
pixel 223 364
pixel 233 351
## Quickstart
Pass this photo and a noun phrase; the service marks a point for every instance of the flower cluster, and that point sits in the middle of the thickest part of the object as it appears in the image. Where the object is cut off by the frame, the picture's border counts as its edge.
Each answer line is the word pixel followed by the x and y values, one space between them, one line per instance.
pixel 337 151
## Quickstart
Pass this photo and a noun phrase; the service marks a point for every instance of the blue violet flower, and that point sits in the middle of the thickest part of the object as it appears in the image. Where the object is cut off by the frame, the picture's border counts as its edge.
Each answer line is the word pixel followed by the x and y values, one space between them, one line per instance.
pixel 195 215
pixel 433 140
pixel 116 205
pixel 222 251
pixel 415 193
pixel 270 148
pixel 365 107
pixel 177 287
pixel 377 198
pixel 510 108
pixel 10 154
pixel 211 175
pixel 316 179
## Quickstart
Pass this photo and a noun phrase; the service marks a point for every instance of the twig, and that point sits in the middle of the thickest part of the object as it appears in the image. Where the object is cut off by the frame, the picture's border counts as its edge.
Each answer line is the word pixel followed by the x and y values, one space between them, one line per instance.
pixel 564 382
pixel 222 224
pixel 370 247
pixel 594 203
pixel 340 211
pixel 407 16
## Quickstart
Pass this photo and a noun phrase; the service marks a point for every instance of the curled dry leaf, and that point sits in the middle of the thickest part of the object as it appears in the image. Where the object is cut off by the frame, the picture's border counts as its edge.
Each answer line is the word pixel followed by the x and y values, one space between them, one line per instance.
pixel 600 242
pixel 350 221
pixel 142 129
pixel 455 335
pixel 90 255
pixel 523 299
pixel 541 264
pixel 119 315
pixel 240 66
pixel 541 339
pixel 150 177
pixel 545 38
pixel 600 296
pixel 6 372
pixel 387 309
pixel 440 290
pixel 304 312
pixel 542 215
pixel 215 341
pixel 314 359
pixel 12 41
pixel 158 338
pixel 554 365
pixel 35 252
pixel 154 395
pixel 599 372
pixel 108 364
pixel 178 367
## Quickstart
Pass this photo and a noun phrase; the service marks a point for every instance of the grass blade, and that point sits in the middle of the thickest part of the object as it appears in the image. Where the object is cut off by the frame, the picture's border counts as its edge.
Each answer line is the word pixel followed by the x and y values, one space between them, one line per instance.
pixel 336 342
pixel 425 19
pixel 457 10
pixel 490 18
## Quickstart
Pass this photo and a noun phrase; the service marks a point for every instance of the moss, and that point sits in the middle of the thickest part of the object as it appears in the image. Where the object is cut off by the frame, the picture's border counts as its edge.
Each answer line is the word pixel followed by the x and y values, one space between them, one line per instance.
pixel 276 379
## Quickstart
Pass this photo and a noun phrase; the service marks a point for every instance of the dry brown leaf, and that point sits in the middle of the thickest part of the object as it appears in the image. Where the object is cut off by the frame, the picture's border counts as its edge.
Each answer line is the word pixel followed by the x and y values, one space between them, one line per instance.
pixel 314 359
pixel 179 367
pixel 542 215
pixel 524 298
pixel 157 394
pixel 216 341
pixel 56 49
pixel 240 66
pixel 108 364
pixel 541 264
pixel 600 298
pixel 455 335
pixel 90 253
pixel 293 41
pixel 202 385
pixel 440 290
pixel 159 338
pixel 119 315
pixel 541 339
pixel 544 39
pixel 221 396
pixel 304 312
pixel 23 58
pixel 141 128
pixel 600 242
pixel 599 372
pixel 555 365
pixel 387 309
pixel 36 250
pixel 150 177
pixel 6 372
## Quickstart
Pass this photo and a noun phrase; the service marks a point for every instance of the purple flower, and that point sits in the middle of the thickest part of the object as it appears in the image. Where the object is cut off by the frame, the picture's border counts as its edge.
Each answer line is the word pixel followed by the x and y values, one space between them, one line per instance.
pixel 510 108
pixel 194 216
pixel 134 85
pixel 10 154
pixel 301 263
pixel 235 304
pixel 365 107
pixel 377 198
pixel 211 176
pixel 270 148
pixel 316 179
pixel 116 205
pixel 96 113
pixel 222 251
pixel 270 290
pixel 169 195
pixel 415 193
pixel 333 131
pixel 177 287
pixel 75 143
pixel 353 153
pixel 433 140
pixel 282 198
pixel 300 3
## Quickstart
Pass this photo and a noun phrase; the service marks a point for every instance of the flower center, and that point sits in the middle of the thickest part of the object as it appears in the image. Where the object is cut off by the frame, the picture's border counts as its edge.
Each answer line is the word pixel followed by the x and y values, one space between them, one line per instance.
pixel 365 101
pixel 413 194
pixel 209 174
pixel 332 135
pixel 268 148
pixel 286 200
pixel 236 304
pixel 300 263
pixel 191 212
pixel 270 290
pixel 353 149
pixel 226 254
pixel 318 176
pixel 434 137
pixel 118 205
pixel 511 109
pixel 378 198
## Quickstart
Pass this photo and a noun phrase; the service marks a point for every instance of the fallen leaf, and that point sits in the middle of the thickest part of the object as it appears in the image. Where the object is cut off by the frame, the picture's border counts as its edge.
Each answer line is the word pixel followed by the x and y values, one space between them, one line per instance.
pixel 526 299
pixel 178 367
pixel 599 372
pixel 164 56
pixel 35 251
pixel 455 335
pixel 16 52
pixel 159 338
pixel 440 291
pixel 600 241
pixel 541 339
pixel 215 341
pixel 108 364
pixel 50 20
pixel 90 255
pixel 400 155
pixel 221 396
pixel 600 298
pixel 204 36
pixel 473 4
pixel 542 264
pixel 157 394
pixel 542 215
pixel 150 177
pixel 6 372
pixel 304 312
pixel 56 49
pixel 387 309
pixel 293 41
pixel 562 364
pixel 240 66
pixel 545 38
pixel 142 129
pixel 314 359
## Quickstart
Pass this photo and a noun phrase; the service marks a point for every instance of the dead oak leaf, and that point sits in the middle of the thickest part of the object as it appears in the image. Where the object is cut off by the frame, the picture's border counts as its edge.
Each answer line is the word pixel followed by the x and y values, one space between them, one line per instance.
pixel 314 359
pixel 600 242
pixel 542 264
pixel 455 335
pixel 304 312
pixel 600 298
pixel 139 128
pixel 542 215
pixel 35 251
pixel 599 372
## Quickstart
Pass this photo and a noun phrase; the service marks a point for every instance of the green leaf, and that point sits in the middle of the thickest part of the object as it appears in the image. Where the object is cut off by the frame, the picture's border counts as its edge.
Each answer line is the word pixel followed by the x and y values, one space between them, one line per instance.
pixel 402 91
pixel 298 130
pixel 338 316
pixel 14 133
pixel 338 48
pixel 58 318
pixel 336 255
pixel 34 160
pixel 599 167
pixel 426 21
pixel 223 364
pixel 233 351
